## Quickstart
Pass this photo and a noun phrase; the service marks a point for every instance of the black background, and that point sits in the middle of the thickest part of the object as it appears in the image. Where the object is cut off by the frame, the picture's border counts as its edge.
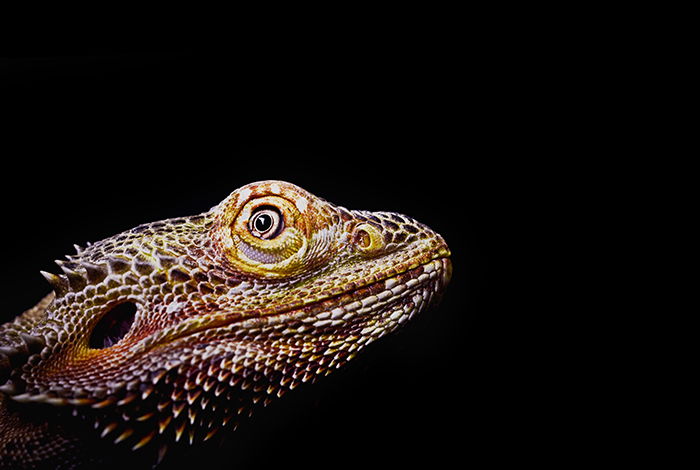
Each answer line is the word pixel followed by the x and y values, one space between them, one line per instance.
pixel 101 140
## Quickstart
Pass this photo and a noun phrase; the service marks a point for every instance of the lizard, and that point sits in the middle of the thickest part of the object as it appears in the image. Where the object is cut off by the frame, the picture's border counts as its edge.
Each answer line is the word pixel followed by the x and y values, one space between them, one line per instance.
pixel 167 333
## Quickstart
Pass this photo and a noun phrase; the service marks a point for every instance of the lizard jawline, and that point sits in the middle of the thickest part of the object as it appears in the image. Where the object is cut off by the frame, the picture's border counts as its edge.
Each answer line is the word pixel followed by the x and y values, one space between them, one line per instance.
pixel 407 274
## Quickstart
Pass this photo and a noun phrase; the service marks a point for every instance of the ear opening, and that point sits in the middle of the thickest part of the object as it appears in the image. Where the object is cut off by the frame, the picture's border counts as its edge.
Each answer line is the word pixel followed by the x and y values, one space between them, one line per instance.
pixel 113 325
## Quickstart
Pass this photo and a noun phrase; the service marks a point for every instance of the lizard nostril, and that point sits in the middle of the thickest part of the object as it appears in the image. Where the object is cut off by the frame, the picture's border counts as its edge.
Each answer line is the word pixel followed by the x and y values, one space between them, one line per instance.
pixel 113 325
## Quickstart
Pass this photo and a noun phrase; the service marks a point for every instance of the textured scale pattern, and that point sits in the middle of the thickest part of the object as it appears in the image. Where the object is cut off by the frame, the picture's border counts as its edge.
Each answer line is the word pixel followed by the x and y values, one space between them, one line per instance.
pixel 219 321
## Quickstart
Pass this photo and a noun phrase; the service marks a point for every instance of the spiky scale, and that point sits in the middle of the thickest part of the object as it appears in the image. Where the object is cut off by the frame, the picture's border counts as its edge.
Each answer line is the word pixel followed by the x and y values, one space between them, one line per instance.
pixel 178 394
pixel 179 430
pixel 146 417
pixel 223 376
pixel 162 451
pixel 108 429
pixel 163 423
pixel 23 397
pixel 193 395
pixel 118 265
pixel 124 435
pixel 177 408
pixel 211 434
pixel 204 402
pixel 128 399
pixel 190 385
pixel 76 281
pixel 81 401
pixel 58 283
pixel 208 384
pixel 146 391
pixel 144 440
pixel 9 388
pixel 157 376
pixel 105 403
pixel 95 273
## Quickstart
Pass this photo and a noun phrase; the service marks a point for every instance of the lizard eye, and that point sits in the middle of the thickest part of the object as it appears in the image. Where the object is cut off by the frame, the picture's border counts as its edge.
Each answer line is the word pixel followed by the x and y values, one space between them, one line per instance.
pixel 268 236
pixel 266 223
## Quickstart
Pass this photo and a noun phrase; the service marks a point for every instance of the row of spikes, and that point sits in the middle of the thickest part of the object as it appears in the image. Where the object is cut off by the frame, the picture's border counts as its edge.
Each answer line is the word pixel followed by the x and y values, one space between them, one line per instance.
pixel 188 394
pixel 122 393
pixel 76 276
pixel 176 422
pixel 215 376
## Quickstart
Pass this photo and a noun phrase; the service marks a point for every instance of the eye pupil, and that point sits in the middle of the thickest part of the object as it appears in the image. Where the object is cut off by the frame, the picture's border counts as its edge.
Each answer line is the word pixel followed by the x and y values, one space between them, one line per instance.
pixel 266 223
pixel 263 223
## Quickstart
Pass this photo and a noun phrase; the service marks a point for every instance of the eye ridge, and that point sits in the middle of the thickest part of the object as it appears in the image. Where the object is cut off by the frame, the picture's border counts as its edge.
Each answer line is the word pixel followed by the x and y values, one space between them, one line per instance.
pixel 266 222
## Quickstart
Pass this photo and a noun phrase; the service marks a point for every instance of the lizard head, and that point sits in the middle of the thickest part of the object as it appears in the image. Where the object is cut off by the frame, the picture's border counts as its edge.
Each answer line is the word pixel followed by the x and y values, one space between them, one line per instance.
pixel 175 328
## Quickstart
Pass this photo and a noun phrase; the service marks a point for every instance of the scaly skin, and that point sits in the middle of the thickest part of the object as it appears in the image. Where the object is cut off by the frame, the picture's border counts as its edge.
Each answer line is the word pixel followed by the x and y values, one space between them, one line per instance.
pixel 227 310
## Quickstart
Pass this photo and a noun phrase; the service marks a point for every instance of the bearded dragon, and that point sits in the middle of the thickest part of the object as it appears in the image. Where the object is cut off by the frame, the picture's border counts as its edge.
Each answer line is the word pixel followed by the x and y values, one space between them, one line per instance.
pixel 171 331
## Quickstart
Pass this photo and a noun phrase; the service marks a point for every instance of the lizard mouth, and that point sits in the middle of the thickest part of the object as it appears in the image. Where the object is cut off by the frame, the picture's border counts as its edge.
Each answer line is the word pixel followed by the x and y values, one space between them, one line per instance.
pixel 384 288
pixel 412 284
